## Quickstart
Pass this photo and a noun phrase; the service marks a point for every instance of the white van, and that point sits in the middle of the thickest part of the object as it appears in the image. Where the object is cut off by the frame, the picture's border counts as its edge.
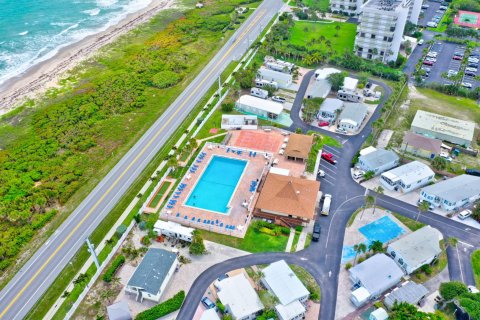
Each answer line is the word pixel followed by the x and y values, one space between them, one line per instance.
pixel 326 204
pixel 464 214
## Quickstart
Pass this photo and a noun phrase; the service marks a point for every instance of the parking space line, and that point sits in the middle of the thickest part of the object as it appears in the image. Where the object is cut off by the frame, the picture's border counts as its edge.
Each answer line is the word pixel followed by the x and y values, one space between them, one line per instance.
pixel 332 150
pixel 325 167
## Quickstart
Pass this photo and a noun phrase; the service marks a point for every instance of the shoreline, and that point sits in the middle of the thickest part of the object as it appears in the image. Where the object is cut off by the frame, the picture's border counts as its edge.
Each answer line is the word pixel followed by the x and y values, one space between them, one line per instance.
pixel 37 79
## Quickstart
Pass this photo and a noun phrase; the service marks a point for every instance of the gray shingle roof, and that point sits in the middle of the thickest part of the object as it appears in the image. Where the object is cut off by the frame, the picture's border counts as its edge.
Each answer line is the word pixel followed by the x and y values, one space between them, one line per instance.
pixel 410 292
pixel 151 272
pixel 379 158
pixel 331 105
pixel 353 111
pixel 455 189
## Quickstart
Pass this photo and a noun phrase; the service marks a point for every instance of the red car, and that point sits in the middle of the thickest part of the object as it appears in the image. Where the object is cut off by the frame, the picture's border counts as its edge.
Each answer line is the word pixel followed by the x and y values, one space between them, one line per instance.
pixel 428 63
pixel 329 157
pixel 323 123
pixel 457 57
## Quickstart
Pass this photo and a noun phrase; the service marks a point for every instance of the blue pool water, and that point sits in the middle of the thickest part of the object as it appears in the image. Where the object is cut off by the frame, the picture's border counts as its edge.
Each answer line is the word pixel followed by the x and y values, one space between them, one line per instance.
pixel 217 184
pixel 383 229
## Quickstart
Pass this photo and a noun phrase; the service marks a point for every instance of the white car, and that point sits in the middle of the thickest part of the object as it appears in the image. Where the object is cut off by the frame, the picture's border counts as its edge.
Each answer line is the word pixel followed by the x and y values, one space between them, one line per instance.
pixel 446 156
pixel 432 54
pixel 420 42
pixel 321 173
pixel 473 60
pixel 464 214
pixel 432 24
pixel 358 174
pixel 278 99
pixel 473 289
pixel 467 85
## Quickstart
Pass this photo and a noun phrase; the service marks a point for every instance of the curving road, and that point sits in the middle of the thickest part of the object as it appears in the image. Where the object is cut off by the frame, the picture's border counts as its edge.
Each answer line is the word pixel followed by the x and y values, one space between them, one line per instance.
pixel 323 259
pixel 28 285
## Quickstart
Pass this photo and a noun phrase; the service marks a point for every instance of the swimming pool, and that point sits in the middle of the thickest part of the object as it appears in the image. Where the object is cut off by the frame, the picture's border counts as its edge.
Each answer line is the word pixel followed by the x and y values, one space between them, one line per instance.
pixel 217 184
pixel 383 229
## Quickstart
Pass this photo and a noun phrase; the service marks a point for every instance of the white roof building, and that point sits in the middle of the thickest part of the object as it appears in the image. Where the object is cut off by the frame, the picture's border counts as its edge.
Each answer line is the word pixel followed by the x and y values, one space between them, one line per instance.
pixel 210 314
pixel 453 193
pixel 367 150
pixel 350 84
pixel 408 177
pixel 284 80
pixel 322 74
pixel 434 125
pixel 376 274
pixel 239 121
pixel 379 314
pixel 239 298
pixel 352 116
pixel 173 229
pixel 378 161
pixel 258 106
pixel 416 249
pixel 290 311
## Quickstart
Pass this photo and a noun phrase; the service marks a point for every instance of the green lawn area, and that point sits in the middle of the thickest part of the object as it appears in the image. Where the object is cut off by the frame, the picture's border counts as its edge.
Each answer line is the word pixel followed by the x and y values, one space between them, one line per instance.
pixel 476 267
pixel 160 193
pixel 317 146
pixel 308 280
pixel 303 32
pixel 254 241
pixel 442 26
pixel 409 223
pixel 421 277
pixel 321 5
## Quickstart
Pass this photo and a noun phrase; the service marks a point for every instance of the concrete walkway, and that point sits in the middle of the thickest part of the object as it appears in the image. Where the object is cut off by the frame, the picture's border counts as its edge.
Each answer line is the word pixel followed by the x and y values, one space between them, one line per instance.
pixel 290 240
pixel 301 240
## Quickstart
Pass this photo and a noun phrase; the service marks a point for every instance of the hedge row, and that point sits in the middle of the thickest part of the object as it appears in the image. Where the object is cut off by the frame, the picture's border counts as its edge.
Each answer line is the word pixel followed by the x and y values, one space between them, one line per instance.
pixel 117 263
pixel 163 308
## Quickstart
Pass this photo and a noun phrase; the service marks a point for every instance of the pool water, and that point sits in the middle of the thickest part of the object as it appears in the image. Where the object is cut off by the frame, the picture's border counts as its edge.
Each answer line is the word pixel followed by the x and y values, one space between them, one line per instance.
pixel 217 184
pixel 383 229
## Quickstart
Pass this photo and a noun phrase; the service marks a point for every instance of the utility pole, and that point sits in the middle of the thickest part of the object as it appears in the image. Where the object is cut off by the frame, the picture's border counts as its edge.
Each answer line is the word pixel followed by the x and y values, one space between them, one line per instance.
pixel 219 87
pixel 91 249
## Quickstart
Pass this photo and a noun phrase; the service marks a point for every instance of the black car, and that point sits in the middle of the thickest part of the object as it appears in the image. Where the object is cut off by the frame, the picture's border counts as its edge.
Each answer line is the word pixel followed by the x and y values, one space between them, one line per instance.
pixel 473 172
pixel 208 303
pixel 316 232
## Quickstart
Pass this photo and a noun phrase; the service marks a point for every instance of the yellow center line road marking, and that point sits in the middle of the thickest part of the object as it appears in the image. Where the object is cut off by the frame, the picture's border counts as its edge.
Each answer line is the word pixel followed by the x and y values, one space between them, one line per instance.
pixel 239 39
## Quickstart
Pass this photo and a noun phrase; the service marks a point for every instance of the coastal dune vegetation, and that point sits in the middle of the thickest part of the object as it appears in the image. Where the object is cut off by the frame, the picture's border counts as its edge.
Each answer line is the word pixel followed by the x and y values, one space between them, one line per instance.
pixel 54 151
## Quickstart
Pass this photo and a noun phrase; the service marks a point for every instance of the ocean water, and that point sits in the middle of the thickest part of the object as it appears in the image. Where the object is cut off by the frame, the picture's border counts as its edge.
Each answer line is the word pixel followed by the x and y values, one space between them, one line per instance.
pixel 33 31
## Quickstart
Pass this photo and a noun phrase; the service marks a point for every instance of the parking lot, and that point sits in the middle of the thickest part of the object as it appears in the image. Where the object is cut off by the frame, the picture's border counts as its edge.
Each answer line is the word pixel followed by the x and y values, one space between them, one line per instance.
pixel 328 168
pixel 431 13
pixel 448 58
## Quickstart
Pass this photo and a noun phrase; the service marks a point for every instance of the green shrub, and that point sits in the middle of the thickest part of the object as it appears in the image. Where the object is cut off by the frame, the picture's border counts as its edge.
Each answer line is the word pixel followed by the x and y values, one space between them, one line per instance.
pixel 285 231
pixel 163 308
pixel 220 306
pixel 121 230
pixel 117 263
pixel 348 265
pixel 227 107
pixel 267 231
pixel 165 79
pixel 427 269
pixel 299 228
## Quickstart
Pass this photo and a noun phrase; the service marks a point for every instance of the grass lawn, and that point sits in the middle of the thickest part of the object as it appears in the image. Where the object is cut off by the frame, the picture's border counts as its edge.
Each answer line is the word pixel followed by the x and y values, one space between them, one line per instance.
pixel 304 31
pixel 254 241
pixel 409 223
pixel 295 241
pixel 321 5
pixel 476 267
pixel 317 146
pixel 442 26
pixel 160 193
pixel 308 280
pixel 421 277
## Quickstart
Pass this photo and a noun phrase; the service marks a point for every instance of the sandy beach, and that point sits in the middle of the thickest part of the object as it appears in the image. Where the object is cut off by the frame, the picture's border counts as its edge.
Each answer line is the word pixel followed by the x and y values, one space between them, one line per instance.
pixel 36 80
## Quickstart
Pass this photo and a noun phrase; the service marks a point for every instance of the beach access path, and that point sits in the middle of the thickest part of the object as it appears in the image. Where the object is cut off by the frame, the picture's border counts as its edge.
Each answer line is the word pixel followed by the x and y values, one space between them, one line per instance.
pixel 28 285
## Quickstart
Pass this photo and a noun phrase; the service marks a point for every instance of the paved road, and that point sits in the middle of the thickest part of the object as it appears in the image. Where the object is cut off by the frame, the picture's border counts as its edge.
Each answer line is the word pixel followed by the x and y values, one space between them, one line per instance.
pixel 26 288
pixel 323 259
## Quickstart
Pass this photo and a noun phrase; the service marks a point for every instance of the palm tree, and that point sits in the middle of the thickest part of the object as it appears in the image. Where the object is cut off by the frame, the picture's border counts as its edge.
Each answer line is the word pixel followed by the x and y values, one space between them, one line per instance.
pixel 376 246
pixel 257 278
pixel 451 242
pixel 379 190
pixel 359 248
pixel 193 143
pixel 172 162
pixel 369 201
pixel 423 207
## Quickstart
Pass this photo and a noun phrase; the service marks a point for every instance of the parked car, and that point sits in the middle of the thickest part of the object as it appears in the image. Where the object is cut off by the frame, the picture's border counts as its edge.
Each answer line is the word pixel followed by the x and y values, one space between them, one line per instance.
pixel 326 204
pixel 432 54
pixel 323 123
pixel 208 303
pixel 467 85
pixel 358 174
pixel 443 8
pixel 473 59
pixel 473 65
pixel 340 130
pixel 430 206
pixel 321 173
pixel 428 63
pixel 278 99
pixel 432 24
pixel 457 57
pixel 472 69
pixel 473 172
pixel 473 289
pixel 452 72
pixel 425 6
pixel 431 59
pixel 464 214
pixel 470 73
pixel 316 232
pixel 328 157
pixel 368 85
pixel 446 156
pixel 420 42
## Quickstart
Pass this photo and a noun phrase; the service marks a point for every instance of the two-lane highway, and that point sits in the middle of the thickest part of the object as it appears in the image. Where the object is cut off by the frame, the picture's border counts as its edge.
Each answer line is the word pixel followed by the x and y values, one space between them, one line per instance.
pixel 27 287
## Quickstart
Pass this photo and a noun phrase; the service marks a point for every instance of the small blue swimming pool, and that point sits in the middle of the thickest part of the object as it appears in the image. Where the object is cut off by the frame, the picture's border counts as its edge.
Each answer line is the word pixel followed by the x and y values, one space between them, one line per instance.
pixel 217 184
pixel 383 229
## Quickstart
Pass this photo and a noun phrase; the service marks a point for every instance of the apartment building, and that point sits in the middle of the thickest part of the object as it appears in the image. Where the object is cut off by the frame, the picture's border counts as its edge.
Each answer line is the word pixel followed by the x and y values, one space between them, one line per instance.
pixel 380 29
pixel 346 7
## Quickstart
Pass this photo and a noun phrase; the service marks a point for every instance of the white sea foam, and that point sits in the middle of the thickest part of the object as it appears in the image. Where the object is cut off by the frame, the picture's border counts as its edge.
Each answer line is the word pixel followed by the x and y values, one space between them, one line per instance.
pixel 106 3
pixel 92 12
pixel 23 33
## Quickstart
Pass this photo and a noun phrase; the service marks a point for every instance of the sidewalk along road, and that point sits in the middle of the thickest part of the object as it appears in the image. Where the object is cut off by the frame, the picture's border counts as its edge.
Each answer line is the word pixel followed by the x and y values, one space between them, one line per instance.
pixel 28 285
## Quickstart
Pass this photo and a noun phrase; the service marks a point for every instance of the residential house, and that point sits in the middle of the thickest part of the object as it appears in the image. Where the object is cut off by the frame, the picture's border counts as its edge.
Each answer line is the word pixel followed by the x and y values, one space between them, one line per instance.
pixel 373 277
pixel 266 109
pixel 318 88
pixel 239 298
pixel 416 249
pixel 152 275
pixel 173 230
pixel 298 147
pixel 378 314
pixel 119 311
pixel 287 200
pixel 330 109
pixel 453 193
pixel 352 116
pixel 378 161
pixel 449 129
pixel 283 80
pixel 282 282
pixel 210 314
pixel 408 177
pixel 409 292
pixel 350 84
pixel 420 145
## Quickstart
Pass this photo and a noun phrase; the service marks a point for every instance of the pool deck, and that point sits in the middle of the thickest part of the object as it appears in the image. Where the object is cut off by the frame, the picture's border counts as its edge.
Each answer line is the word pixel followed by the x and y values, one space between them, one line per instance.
pixel 239 215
